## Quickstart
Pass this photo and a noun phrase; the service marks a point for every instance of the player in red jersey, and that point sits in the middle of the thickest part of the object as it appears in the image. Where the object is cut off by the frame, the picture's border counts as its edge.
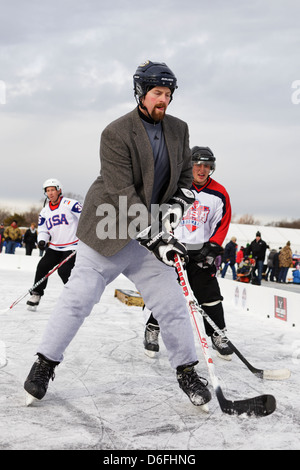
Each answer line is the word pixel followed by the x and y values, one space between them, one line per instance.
pixel 202 229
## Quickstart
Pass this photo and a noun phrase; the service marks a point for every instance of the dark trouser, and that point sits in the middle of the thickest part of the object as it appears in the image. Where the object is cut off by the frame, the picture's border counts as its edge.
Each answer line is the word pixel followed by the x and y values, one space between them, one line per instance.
pixel 50 259
pixel 206 289
pixel 28 249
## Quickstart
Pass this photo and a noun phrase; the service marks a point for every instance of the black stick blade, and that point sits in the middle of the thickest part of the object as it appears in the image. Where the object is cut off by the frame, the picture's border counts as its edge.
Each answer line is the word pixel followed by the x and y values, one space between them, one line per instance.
pixel 262 405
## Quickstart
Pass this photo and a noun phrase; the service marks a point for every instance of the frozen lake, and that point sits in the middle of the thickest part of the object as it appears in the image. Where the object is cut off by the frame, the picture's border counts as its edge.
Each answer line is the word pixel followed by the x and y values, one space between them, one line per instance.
pixel 108 395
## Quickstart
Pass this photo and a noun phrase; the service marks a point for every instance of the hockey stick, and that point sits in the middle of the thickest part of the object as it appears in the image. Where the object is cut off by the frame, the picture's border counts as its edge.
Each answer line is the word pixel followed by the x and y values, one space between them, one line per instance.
pixel 42 280
pixel 261 405
pixel 273 374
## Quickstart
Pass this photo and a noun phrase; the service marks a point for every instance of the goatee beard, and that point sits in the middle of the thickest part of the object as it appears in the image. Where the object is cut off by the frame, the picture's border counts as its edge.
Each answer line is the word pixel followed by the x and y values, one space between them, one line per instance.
pixel 158 116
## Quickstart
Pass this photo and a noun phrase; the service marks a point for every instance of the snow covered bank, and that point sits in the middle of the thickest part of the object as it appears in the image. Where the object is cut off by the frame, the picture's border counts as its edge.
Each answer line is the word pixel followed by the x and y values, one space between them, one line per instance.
pixel 19 260
pixel 277 305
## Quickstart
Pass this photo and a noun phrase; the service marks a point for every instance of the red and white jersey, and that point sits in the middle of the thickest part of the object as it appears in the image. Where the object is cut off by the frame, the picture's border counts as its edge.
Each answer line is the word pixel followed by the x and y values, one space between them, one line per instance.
pixel 209 217
pixel 58 224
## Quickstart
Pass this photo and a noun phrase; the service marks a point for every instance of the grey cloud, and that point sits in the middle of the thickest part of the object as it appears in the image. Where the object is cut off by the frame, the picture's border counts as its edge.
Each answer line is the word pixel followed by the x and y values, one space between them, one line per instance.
pixel 68 70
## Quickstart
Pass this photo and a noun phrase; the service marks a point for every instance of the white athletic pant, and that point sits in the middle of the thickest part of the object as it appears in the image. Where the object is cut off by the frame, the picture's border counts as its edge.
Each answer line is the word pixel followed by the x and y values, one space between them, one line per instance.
pixel 156 282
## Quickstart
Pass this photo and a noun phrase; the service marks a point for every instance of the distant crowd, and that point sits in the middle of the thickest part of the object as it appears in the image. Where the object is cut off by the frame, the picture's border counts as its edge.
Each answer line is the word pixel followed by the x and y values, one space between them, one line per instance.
pixel 11 237
pixel 257 261
pixel 252 263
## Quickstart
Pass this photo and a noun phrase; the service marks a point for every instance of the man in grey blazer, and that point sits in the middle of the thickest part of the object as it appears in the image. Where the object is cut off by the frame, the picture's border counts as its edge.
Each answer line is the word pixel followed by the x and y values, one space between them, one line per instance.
pixel 128 215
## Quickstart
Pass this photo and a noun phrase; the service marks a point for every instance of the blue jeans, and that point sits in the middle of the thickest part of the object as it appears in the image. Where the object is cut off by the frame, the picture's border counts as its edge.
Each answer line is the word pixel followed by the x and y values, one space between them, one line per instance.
pixel 282 274
pixel 259 267
pixel 10 247
pixel 232 269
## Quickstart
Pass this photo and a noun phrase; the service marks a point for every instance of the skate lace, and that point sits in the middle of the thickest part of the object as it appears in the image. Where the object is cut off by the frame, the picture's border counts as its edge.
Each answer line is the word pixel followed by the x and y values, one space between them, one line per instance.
pixel 152 335
pixel 191 381
pixel 43 371
pixel 220 341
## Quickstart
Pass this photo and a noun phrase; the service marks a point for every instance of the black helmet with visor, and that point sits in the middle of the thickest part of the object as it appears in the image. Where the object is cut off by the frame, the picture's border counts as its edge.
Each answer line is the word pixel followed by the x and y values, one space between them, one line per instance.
pixel 204 155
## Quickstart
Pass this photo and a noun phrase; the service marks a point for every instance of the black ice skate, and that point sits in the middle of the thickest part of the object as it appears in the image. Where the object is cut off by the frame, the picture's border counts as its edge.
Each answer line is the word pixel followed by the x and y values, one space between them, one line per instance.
pixel 219 343
pixel 33 301
pixel 151 344
pixel 38 378
pixel 194 386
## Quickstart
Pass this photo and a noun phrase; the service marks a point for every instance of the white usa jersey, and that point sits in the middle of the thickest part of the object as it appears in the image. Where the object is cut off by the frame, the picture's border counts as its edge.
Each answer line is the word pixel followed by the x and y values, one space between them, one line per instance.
pixel 208 218
pixel 58 224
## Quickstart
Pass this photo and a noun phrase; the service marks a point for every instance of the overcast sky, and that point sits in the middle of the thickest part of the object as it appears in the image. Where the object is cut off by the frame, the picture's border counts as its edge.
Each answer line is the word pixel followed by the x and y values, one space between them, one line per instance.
pixel 66 71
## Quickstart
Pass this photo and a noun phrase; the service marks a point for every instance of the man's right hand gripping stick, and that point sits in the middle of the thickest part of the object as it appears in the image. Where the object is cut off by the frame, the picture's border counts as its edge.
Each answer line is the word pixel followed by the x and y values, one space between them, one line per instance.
pixel 158 237
pixel 163 245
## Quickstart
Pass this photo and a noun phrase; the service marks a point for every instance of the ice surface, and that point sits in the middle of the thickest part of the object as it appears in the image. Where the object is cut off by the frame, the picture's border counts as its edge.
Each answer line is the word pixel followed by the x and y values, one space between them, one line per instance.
pixel 109 395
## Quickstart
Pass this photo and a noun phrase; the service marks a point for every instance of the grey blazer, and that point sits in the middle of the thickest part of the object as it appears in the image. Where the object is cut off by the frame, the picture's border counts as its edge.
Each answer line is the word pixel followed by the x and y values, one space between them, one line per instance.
pixel 127 172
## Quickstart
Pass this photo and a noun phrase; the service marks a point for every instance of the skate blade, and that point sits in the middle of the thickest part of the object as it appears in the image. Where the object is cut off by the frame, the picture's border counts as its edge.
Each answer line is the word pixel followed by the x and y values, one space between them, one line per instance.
pixel 32 308
pixel 204 408
pixel 151 354
pixel 29 399
pixel 227 357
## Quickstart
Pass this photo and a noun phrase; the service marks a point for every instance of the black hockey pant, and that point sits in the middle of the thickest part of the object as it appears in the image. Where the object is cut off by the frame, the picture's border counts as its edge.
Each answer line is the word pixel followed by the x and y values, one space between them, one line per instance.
pixel 50 259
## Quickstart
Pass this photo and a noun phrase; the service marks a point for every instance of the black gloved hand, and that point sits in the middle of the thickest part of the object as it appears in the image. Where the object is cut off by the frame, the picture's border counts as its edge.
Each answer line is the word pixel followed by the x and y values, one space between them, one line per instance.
pixel 42 245
pixel 205 257
pixel 163 245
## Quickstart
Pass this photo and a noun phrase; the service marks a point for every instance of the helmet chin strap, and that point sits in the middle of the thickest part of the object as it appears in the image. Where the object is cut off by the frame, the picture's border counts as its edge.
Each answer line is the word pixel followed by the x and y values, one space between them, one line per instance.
pixel 54 203
pixel 142 106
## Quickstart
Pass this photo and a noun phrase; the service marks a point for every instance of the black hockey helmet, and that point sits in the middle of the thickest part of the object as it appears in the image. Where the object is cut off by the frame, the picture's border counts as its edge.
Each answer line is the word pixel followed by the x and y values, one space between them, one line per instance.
pixel 204 155
pixel 151 74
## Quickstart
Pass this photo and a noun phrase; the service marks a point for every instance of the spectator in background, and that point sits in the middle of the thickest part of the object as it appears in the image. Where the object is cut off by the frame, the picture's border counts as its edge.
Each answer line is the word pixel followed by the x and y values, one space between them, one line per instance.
pixel 296 275
pixel 276 263
pixel 230 257
pixel 270 265
pixel 285 262
pixel 240 255
pixel 257 249
pixel 1 236
pixel 30 239
pixel 13 236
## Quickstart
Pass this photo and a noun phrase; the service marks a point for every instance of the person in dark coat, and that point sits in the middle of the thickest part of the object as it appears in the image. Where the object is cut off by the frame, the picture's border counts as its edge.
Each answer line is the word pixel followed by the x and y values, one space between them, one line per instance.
pixel 276 264
pixel 30 239
pixel 230 257
pixel 257 249
pixel 270 265
pixel 1 236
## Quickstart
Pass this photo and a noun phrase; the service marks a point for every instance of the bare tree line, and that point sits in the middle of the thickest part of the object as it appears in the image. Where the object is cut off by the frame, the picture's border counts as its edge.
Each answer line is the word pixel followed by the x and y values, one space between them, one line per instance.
pixel 250 220
pixel 24 219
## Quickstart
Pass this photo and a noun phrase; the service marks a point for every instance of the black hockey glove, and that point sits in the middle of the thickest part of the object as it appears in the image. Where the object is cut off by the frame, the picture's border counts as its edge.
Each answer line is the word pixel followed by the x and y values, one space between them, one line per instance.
pixel 163 245
pixel 205 257
pixel 174 209
pixel 42 245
